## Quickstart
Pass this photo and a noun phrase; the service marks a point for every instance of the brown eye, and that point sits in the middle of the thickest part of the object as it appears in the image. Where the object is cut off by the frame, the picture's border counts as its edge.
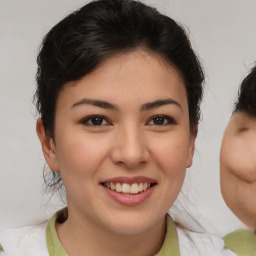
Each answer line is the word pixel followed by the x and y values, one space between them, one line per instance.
pixel 161 120
pixel 95 121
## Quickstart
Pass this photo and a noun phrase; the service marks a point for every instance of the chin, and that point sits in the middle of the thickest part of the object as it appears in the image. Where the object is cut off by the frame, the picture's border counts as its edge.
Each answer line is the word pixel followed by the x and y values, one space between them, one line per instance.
pixel 250 222
pixel 133 224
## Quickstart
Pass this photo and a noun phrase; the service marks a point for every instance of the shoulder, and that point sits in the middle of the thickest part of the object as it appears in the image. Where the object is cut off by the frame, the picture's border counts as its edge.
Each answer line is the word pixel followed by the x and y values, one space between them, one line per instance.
pixel 28 240
pixel 242 242
pixel 1 250
pixel 201 244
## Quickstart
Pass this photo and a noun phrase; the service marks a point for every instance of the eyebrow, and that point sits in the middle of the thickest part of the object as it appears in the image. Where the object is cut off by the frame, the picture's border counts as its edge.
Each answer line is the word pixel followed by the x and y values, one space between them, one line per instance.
pixel 97 103
pixel 144 107
pixel 159 103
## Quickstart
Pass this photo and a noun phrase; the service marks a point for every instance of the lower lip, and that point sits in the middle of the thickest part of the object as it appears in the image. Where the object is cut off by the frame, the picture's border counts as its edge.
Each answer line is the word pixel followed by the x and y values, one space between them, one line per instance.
pixel 130 199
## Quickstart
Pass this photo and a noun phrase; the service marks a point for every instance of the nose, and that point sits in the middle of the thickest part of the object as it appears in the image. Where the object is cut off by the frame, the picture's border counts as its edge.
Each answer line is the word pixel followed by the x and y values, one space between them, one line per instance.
pixel 130 147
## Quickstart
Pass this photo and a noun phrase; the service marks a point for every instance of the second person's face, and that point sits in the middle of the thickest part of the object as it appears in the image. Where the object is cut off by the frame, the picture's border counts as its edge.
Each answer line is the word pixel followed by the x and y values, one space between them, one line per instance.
pixel 238 167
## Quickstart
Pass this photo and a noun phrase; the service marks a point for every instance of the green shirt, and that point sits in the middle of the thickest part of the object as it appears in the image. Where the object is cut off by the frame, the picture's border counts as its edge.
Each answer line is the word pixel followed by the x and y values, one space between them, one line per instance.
pixel 242 242
pixel 170 246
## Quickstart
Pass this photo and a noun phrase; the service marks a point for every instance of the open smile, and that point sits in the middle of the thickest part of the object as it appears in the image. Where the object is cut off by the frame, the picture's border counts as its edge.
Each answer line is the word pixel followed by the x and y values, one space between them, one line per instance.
pixel 129 191
pixel 126 188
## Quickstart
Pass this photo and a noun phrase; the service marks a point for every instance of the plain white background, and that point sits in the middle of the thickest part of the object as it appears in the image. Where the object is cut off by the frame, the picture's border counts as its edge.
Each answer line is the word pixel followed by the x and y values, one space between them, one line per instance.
pixel 222 33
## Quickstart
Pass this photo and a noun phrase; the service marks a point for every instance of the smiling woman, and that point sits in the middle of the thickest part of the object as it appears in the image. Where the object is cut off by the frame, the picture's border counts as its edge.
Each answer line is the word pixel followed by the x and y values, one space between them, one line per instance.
pixel 125 146
pixel 119 92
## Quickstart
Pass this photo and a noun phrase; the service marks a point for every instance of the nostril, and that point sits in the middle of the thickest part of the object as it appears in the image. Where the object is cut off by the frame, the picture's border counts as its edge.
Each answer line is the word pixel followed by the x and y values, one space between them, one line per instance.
pixel 129 148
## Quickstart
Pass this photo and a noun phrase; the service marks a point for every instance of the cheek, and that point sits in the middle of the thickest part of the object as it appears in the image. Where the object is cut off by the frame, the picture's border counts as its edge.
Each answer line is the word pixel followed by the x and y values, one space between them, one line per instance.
pixel 171 153
pixel 81 155
pixel 171 157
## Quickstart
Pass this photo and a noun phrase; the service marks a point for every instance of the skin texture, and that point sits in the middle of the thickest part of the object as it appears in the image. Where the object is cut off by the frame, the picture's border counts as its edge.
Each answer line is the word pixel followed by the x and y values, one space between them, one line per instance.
pixel 238 167
pixel 128 143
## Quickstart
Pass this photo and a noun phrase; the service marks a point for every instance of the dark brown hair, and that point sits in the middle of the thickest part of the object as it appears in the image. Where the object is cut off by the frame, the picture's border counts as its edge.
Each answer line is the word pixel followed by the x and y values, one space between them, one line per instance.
pixel 101 29
pixel 247 94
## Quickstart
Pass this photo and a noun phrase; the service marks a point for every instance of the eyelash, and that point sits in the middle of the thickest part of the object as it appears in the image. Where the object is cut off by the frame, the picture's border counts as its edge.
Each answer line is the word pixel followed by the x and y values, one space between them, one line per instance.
pixel 167 120
pixel 88 120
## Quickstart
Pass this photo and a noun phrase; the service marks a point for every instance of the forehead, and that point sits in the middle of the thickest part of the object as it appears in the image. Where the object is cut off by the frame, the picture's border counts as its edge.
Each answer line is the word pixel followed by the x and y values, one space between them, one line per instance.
pixel 241 125
pixel 131 78
pixel 241 119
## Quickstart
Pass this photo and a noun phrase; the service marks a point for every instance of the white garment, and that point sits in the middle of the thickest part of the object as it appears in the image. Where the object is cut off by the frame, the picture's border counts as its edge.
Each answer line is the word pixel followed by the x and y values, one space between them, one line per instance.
pixel 200 244
pixel 25 241
pixel 31 241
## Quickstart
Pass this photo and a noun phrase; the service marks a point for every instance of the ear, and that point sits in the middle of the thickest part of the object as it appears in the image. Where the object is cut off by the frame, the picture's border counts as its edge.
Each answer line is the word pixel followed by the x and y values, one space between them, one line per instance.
pixel 193 135
pixel 48 146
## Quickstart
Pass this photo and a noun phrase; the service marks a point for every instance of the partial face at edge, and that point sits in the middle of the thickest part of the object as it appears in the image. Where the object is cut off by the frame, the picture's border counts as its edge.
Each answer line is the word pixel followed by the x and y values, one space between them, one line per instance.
pixel 127 122
pixel 238 167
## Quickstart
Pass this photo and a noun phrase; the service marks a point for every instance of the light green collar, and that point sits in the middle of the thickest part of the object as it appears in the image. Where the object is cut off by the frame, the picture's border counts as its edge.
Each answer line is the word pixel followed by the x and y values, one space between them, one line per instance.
pixel 55 248
pixel 242 242
pixel 170 246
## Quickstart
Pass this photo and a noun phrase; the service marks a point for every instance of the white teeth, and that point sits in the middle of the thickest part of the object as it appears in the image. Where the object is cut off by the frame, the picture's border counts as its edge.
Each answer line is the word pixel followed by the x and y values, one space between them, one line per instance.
pixel 112 186
pixel 125 188
pixel 118 187
pixel 134 188
pixel 141 187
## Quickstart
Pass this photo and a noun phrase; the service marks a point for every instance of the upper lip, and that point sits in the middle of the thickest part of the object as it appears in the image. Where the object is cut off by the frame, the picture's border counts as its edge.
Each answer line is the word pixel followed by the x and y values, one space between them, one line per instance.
pixel 129 180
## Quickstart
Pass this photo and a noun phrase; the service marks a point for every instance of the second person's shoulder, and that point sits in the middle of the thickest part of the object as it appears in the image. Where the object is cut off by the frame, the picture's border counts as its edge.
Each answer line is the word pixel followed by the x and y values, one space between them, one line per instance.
pixel 242 242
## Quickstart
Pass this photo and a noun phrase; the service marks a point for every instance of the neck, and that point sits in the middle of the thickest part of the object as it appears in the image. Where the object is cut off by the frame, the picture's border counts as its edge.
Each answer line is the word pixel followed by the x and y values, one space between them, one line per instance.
pixel 80 236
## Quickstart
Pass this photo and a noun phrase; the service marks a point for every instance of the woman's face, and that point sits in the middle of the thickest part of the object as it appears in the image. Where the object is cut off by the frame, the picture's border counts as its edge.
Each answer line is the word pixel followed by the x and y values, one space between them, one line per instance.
pixel 123 142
